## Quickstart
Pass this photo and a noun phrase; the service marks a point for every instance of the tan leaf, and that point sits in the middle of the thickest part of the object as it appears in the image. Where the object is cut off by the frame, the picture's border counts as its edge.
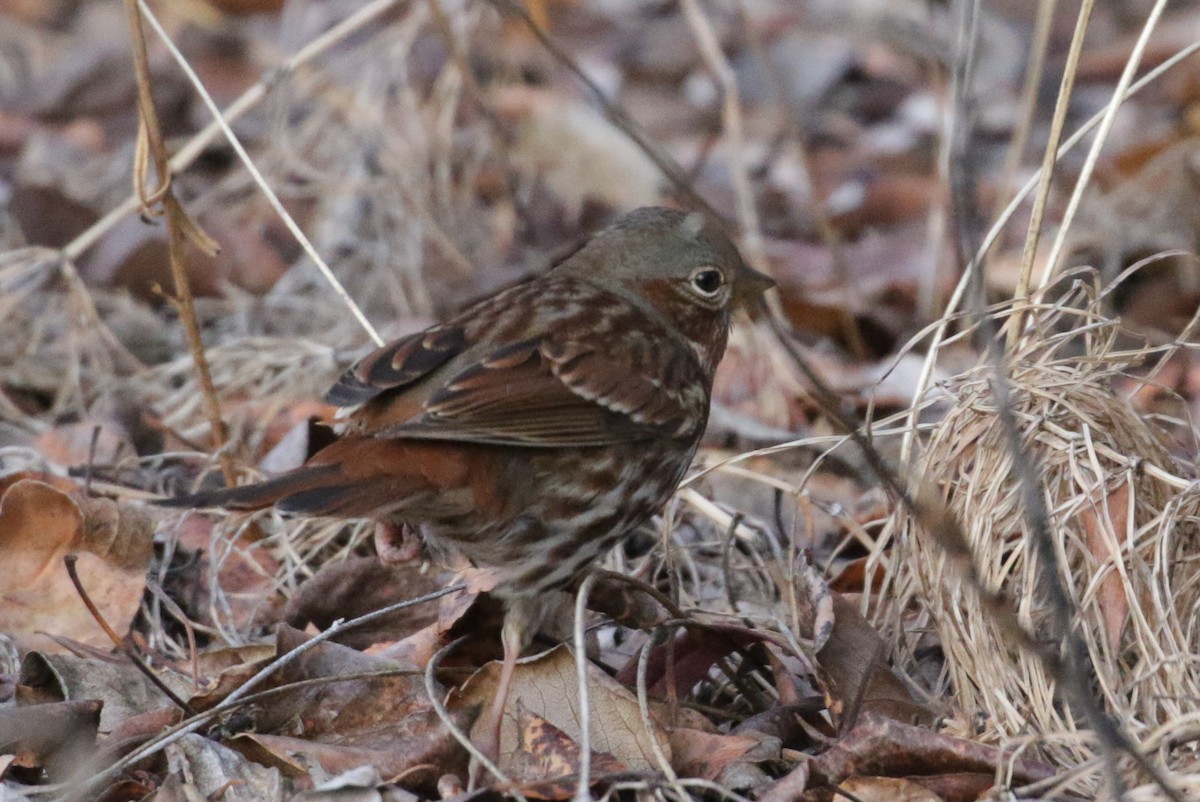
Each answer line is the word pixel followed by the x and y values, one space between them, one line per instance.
pixel 546 685
pixel 884 789
pixel 219 772
pixel 854 668
pixel 705 754
pixel 122 691
pixel 547 762
pixel 1114 604
pixel 39 525
pixel 385 721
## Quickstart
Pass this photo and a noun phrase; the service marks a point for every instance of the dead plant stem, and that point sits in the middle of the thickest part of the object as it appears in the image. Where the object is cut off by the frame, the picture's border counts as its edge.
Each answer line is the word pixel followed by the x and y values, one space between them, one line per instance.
pixel 179 230
pixel 248 100
pixel 272 198
pixel 583 791
pixel 953 306
pixel 1033 234
pixel 72 572
pixel 1106 124
pixel 731 122
pixel 237 698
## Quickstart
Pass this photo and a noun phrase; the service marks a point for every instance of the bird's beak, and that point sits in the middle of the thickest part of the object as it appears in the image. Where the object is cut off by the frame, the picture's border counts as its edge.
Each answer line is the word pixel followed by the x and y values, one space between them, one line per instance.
pixel 751 285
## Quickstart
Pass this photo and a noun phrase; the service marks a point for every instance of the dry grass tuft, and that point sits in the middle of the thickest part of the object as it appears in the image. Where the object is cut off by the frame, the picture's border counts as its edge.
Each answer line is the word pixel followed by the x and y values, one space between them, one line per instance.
pixel 1111 488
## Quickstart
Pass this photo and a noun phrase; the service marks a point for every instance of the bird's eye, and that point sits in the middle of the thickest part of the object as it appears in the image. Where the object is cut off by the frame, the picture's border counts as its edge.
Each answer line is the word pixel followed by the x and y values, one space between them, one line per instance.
pixel 707 281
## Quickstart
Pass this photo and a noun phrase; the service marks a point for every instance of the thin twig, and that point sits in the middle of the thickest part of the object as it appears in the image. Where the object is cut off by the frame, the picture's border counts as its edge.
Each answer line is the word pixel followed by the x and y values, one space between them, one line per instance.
pixel 463 63
pixel 731 121
pixel 463 739
pixel 1034 232
pixel 584 792
pixel 190 631
pixel 246 101
pixel 86 787
pixel 180 229
pixel 643 666
pixel 1110 115
pixel 258 178
pixel 1043 27
pixel 69 560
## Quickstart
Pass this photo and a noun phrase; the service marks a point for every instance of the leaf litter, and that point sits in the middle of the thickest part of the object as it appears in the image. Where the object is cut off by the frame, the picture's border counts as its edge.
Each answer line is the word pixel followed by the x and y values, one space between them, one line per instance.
pixel 808 637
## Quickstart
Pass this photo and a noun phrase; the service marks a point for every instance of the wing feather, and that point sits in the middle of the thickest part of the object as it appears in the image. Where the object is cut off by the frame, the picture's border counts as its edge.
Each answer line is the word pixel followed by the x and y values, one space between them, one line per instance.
pixel 398 364
pixel 550 389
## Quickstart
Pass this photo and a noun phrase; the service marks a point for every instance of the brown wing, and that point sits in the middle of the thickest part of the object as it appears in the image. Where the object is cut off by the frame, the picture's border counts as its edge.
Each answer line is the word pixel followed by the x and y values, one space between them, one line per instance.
pixel 543 387
pixel 398 365
pixel 551 394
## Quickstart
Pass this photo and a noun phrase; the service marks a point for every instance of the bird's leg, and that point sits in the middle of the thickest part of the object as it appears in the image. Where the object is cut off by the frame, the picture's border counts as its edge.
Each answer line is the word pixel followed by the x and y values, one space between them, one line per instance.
pixel 513 636
pixel 396 543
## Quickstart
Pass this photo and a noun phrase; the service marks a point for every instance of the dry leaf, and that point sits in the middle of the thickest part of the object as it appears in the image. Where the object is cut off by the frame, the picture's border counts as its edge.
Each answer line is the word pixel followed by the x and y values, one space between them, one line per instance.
pixel 853 665
pixel 547 762
pixel 789 787
pixel 547 686
pixel 124 692
pixel 883 789
pixel 219 772
pixel 1114 603
pixel 706 755
pixel 883 747
pixel 359 585
pixel 39 525
pixel 385 721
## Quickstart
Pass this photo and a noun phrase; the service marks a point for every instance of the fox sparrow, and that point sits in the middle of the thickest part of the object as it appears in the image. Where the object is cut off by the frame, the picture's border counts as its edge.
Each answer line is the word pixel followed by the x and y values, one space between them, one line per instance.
pixel 537 428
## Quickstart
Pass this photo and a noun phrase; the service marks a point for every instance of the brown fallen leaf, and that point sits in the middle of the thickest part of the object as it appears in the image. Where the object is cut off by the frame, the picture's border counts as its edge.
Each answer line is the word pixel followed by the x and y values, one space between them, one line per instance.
pixel 547 762
pixel 705 755
pixel 789 787
pixel 384 721
pixel 359 585
pixel 1114 603
pixel 693 653
pixel 221 671
pixel 39 525
pixel 854 670
pixel 547 686
pixel 883 789
pixel 879 746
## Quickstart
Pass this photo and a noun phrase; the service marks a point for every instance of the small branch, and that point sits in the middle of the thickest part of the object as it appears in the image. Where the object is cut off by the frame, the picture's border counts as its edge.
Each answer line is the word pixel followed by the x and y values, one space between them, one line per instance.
pixel 731 121
pixel 248 100
pixel 1106 124
pixel 664 765
pixel 583 792
pixel 431 690
pixel 257 176
pixel 237 698
pixel 69 560
pixel 179 229
pixel 1034 232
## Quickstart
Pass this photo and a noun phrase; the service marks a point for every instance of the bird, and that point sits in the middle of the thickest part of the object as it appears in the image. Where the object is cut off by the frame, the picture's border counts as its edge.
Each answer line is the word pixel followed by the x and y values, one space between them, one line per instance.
pixel 533 431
